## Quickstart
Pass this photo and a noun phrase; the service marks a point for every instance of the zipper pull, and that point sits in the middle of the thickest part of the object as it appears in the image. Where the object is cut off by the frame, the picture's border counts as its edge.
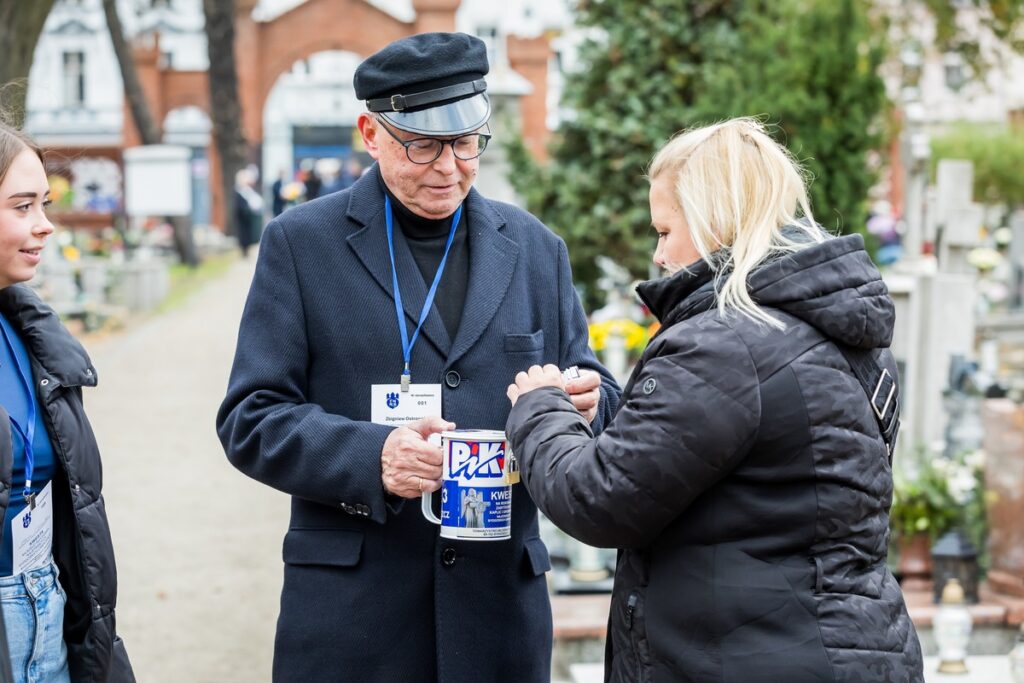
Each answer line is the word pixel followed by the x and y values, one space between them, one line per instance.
pixel 630 606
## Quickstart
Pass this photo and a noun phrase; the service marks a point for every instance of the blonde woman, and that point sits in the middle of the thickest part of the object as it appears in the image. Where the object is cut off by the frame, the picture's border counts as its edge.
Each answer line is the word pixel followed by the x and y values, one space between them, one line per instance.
pixel 747 476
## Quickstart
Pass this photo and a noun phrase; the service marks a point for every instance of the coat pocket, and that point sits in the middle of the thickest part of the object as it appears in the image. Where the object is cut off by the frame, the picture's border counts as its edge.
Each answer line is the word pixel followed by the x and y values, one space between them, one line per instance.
pixel 524 343
pixel 327 547
pixel 537 559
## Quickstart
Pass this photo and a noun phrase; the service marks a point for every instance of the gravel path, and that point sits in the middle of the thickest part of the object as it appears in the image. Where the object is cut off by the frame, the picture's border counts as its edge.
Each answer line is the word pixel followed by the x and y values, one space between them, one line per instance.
pixel 198 544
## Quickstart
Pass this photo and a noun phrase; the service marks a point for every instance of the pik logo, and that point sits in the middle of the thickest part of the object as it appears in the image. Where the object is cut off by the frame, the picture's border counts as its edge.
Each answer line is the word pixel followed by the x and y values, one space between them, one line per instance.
pixel 26 521
pixel 477 460
pixel 392 400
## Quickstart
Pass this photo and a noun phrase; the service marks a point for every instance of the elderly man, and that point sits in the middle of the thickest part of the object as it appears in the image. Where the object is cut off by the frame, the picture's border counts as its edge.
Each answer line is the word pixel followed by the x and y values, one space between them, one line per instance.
pixel 378 316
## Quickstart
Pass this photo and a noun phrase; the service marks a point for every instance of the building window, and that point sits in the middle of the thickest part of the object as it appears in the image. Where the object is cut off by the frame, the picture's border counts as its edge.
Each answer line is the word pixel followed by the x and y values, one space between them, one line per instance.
pixel 160 4
pixel 489 36
pixel 167 59
pixel 74 79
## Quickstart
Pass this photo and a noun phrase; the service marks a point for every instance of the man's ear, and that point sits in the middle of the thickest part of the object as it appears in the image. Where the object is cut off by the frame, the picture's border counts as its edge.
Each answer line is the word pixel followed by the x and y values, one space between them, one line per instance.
pixel 369 130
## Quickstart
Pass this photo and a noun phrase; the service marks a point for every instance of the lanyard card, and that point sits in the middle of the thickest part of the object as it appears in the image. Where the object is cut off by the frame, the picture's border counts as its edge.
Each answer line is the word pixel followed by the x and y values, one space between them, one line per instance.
pixel 393 407
pixel 32 534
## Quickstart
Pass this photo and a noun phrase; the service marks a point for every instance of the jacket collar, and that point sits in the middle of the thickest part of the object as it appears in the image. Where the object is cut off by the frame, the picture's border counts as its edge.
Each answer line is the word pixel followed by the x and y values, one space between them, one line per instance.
pixel 491 264
pixel 59 355
pixel 684 293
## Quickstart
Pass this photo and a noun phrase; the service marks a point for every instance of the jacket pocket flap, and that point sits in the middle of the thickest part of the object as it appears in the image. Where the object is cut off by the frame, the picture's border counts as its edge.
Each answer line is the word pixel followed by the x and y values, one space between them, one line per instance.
pixel 331 547
pixel 521 343
pixel 537 554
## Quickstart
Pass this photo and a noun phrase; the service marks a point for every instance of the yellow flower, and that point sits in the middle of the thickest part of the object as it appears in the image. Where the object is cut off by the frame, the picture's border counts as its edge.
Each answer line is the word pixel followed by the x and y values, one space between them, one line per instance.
pixel 293 191
pixel 634 335
pixel 71 253
pixel 59 186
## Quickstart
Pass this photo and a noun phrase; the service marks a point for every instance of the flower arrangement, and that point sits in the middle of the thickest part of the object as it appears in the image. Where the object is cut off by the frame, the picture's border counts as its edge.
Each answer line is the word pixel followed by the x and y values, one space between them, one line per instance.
pixel 293 191
pixel 635 335
pixel 61 193
pixel 935 494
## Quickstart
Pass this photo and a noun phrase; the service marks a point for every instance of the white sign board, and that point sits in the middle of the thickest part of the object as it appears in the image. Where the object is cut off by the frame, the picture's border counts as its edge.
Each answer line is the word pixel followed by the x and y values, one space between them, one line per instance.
pixel 158 180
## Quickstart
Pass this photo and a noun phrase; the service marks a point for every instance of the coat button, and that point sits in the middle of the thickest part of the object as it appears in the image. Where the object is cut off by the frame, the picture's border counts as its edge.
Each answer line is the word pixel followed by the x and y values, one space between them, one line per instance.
pixel 452 379
pixel 45 382
pixel 363 510
pixel 448 556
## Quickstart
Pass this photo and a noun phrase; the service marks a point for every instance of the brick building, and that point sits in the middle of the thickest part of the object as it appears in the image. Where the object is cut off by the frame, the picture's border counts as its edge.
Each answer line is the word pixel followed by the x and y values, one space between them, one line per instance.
pixel 77 108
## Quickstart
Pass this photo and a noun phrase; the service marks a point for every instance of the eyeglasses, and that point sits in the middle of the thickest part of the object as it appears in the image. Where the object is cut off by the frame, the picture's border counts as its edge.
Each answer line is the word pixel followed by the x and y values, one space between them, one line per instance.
pixel 427 150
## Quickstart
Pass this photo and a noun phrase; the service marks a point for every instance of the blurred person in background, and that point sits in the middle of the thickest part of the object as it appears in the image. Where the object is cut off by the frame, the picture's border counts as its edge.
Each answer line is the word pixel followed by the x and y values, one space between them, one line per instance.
pixel 277 199
pixel 58 583
pixel 747 476
pixel 350 173
pixel 248 208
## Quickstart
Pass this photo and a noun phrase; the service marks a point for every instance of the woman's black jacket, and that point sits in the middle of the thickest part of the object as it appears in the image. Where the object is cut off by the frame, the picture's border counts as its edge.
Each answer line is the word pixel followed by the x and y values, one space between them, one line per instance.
pixel 81 537
pixel 745 480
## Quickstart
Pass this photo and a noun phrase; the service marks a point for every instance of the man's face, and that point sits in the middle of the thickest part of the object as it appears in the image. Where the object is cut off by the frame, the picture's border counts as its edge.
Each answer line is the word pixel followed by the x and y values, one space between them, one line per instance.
pixel 431 190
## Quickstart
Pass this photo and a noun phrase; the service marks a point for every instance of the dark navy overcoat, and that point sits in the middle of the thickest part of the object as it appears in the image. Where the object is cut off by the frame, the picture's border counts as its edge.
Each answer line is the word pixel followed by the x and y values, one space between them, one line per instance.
pixel 371 592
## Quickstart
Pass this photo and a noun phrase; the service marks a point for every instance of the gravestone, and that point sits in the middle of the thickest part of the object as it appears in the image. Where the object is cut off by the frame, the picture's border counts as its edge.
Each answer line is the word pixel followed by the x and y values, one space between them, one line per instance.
pixel 957 217
pixel 1004 476
pixel 1017 260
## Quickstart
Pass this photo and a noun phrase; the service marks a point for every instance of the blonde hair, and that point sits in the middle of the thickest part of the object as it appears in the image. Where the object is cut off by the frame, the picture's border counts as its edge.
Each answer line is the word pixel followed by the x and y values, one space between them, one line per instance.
pixel 737 189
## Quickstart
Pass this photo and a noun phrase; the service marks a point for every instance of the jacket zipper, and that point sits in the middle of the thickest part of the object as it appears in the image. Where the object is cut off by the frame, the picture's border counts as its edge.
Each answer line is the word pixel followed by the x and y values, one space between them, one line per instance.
pixel 631 603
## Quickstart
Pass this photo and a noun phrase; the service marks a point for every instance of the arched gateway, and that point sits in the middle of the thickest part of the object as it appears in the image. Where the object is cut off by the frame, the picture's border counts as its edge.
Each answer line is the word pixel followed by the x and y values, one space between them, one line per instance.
pixel 266 50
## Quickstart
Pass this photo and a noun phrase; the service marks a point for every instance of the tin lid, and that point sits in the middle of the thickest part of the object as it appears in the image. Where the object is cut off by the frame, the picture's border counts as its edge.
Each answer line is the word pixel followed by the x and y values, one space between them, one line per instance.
pixel 474 434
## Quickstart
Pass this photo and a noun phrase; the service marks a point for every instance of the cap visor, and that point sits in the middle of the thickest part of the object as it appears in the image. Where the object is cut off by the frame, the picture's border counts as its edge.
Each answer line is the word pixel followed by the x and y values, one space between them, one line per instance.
pixel 454 118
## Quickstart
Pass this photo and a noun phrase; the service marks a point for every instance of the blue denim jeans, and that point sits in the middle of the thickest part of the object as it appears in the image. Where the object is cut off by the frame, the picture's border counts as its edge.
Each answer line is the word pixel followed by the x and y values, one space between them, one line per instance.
pixel 33 607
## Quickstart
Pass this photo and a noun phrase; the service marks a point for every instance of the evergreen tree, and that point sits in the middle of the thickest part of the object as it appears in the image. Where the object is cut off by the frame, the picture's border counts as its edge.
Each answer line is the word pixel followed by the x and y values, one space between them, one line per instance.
pixel 654 67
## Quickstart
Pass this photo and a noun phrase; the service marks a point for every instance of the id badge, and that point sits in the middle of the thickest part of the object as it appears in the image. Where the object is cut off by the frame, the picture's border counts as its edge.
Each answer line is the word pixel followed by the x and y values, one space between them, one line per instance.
pixel 32 534
pixel 391 406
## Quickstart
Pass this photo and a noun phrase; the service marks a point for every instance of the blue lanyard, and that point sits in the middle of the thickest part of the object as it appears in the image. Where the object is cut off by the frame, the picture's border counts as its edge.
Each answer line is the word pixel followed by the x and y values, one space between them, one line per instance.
pixel 407 343
pixel 28 434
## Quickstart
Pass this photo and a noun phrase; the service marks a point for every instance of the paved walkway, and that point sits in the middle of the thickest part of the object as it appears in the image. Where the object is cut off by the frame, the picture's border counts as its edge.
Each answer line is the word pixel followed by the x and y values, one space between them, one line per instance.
pixel 198 544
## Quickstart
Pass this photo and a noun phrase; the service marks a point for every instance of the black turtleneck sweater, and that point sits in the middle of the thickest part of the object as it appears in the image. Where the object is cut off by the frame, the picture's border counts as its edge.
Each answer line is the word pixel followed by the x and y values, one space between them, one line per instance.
pixel 426 239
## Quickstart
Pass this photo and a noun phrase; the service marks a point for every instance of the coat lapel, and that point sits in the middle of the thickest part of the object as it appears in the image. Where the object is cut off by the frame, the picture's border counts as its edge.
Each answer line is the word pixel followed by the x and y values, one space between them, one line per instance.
pixel 366 207
pixel 492 260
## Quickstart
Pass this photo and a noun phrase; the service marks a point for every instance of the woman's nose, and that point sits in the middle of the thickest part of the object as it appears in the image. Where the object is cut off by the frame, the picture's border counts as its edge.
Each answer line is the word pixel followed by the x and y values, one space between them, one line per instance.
pixel 44 226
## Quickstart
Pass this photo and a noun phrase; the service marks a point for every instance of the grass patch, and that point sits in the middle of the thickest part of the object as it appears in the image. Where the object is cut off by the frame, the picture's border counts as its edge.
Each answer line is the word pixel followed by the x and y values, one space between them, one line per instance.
pixel 185 281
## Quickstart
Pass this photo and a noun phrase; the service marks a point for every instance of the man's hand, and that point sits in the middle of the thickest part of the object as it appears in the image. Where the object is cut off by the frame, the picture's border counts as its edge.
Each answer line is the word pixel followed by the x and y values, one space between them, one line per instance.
pixel 535 378
pixel 410 465
pixel 585 392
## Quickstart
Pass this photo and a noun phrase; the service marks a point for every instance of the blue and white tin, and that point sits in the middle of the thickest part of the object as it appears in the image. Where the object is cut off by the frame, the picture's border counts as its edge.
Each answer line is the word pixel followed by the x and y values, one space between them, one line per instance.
pixel 476 490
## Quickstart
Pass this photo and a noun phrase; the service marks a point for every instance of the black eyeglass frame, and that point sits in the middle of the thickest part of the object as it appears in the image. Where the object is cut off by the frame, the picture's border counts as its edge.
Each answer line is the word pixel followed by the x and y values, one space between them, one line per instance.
pixel 440 150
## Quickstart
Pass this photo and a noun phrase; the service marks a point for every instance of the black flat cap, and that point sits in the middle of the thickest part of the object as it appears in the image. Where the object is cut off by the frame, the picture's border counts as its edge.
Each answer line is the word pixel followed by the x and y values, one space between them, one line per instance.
pixel 429 83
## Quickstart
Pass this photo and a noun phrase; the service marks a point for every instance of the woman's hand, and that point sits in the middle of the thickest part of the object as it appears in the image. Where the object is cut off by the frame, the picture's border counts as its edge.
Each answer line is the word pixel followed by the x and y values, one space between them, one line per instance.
pixel 535 378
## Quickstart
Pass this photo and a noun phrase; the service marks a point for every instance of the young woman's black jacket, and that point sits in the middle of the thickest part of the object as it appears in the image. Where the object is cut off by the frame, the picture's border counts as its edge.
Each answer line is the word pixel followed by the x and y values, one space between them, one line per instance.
pixel 81 537
pixel 746 481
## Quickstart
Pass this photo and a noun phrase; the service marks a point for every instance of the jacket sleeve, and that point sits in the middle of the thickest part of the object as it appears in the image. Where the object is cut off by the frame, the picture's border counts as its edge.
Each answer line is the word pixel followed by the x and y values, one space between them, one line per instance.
pixel 575 342
pixel 688 418
pixel 270 431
